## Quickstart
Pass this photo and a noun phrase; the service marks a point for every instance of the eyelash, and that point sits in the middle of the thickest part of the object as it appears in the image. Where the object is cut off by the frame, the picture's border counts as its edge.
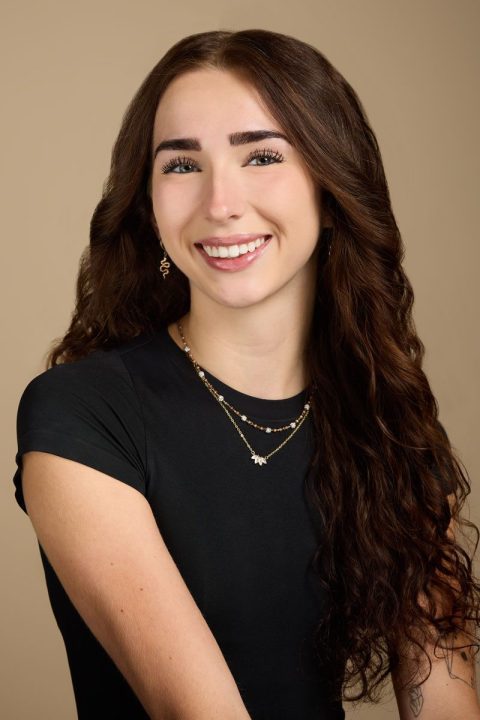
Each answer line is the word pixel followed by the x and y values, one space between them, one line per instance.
pixel 274 155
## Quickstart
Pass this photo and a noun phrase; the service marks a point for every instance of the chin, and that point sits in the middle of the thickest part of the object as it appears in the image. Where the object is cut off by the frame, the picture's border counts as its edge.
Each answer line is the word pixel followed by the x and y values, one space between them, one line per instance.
pixel 237 297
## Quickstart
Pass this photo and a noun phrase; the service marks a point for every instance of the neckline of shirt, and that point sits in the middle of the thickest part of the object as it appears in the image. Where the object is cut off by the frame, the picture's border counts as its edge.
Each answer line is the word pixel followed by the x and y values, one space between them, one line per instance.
pixel 255 408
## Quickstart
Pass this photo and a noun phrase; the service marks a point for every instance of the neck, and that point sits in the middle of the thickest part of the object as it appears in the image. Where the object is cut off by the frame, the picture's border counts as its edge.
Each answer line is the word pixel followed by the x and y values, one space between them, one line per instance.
pixel 259 350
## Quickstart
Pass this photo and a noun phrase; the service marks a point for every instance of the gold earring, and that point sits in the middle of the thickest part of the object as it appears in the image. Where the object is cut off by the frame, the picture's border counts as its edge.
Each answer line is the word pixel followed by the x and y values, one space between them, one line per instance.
pixel 164 265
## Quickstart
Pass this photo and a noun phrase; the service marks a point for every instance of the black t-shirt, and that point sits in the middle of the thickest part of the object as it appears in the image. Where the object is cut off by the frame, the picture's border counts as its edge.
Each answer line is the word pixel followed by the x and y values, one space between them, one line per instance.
pixel 241 534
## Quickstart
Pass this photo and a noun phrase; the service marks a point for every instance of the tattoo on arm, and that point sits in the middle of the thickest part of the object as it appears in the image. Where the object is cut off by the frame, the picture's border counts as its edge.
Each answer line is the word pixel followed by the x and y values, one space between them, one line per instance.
pixel 416 700
pixel 463 654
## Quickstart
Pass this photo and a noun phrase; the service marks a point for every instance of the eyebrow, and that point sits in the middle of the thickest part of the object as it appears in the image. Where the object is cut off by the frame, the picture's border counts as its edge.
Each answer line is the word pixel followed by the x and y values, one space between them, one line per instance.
pixel 237 138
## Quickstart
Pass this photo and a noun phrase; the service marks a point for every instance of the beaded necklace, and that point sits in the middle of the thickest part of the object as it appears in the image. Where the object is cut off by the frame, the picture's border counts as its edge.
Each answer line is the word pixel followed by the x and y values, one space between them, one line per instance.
pixel 227 407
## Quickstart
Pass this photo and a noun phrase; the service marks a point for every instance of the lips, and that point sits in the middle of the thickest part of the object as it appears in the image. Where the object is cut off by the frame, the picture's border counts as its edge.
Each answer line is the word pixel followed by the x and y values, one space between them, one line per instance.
pixel 232 251
pixel 235 263
pixel 239 239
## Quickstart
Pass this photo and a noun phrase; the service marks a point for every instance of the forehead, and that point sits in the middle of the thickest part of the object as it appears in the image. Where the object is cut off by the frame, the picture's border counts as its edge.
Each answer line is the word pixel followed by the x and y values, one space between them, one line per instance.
pixel 210 100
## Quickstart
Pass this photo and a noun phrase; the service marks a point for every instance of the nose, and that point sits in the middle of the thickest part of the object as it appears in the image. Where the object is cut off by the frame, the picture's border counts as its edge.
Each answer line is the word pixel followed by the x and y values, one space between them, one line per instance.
pixel 224 194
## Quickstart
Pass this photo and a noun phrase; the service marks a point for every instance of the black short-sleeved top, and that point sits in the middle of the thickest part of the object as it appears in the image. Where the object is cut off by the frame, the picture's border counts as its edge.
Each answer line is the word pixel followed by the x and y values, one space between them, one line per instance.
pixel 241 534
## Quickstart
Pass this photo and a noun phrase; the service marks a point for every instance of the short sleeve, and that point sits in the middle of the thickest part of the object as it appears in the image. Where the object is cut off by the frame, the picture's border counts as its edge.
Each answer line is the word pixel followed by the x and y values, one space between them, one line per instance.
pixel 87 411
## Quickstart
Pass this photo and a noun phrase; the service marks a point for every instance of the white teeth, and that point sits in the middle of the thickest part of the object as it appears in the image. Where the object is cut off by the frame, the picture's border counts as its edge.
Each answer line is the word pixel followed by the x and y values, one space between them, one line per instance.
pixel 232 251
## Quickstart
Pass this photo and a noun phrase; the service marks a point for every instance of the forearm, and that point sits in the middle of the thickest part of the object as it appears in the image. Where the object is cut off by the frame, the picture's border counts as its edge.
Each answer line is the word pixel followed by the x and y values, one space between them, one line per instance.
pixel 212 709
pixel 197 704
pixel 177 675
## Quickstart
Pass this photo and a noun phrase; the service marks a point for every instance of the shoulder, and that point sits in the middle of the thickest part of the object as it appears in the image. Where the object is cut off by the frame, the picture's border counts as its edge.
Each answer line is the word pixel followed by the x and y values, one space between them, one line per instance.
pixel 87 411
pixel 100 377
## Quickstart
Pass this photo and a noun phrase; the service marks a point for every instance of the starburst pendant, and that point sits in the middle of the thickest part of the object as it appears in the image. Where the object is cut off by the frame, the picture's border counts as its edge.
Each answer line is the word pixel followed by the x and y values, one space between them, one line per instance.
pixel 258 459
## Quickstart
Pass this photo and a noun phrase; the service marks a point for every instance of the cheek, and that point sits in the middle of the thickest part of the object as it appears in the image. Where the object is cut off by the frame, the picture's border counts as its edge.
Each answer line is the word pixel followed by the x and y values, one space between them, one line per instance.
pixel 308 211
pixel 295 205
pixel 170 207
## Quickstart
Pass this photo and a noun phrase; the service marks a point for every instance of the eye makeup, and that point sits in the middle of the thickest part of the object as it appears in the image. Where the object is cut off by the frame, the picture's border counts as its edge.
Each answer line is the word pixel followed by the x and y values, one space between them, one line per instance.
pixel 274 156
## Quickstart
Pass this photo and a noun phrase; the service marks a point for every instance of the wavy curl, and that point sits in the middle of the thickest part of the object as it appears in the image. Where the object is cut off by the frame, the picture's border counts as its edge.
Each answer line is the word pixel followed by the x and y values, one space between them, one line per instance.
pixel 383 465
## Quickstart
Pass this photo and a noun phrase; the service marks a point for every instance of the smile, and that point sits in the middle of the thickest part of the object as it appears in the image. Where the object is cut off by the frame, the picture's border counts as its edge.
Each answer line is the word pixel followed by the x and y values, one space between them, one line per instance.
pixel 232 251
pixel 233 257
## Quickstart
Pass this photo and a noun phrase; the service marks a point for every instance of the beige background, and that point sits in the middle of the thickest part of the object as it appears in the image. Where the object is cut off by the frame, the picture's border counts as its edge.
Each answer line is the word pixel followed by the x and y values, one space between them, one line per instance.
pixel 69 70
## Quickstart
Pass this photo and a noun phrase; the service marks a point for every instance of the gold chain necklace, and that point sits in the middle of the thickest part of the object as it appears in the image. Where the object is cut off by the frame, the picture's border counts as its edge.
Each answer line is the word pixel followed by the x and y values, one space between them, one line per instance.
pixel 257 459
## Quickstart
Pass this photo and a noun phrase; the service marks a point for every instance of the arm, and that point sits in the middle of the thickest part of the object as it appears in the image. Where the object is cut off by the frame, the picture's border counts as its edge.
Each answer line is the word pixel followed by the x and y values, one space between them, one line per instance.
pixel 450 692
pixel 102 540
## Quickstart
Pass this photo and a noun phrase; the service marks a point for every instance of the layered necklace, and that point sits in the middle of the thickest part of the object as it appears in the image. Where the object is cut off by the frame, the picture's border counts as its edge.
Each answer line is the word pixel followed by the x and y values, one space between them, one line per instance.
pixel 229 409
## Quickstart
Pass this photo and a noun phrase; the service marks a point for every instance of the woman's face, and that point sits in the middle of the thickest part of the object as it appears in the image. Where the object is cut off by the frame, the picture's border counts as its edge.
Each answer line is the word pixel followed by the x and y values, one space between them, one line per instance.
pixel 210 186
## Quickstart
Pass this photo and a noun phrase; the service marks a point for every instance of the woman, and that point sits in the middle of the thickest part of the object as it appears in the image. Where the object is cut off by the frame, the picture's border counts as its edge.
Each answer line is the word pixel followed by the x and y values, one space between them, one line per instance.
pixel 242 358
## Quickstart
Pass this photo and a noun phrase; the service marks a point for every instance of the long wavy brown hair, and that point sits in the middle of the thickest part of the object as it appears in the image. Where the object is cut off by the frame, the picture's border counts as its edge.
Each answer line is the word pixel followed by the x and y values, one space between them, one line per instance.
pixel 383 463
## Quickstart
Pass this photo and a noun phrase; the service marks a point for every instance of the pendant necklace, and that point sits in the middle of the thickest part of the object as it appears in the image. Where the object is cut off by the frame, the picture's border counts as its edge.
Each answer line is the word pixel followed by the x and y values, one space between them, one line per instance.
pixel 229 409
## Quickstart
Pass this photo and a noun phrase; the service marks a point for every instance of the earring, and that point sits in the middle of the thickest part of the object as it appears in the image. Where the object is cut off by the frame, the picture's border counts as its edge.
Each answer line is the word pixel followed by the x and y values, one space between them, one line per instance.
pixel 164 265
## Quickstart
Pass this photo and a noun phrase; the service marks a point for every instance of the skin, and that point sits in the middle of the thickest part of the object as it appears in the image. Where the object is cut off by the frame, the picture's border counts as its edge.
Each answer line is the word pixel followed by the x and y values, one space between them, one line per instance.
pixel 450 690
pixel 240 324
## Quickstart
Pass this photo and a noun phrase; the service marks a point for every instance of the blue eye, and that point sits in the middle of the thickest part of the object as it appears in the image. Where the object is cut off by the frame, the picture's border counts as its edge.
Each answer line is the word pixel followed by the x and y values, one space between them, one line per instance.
pixel 180 162
pixel 273 156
